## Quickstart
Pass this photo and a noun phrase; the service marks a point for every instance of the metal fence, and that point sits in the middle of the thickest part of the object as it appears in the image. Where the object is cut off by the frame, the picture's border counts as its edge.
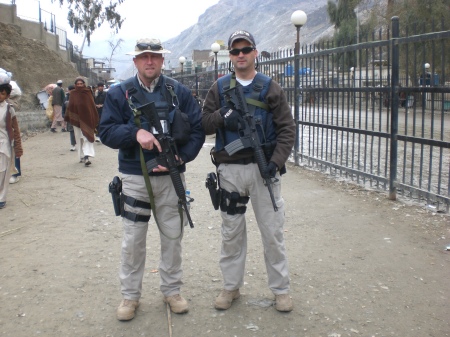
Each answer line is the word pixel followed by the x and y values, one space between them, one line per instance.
pixel 49 21
pixel 376 112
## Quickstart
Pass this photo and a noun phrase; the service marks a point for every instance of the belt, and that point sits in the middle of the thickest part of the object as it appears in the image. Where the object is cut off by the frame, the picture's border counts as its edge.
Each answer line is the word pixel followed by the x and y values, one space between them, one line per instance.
pixel 243 161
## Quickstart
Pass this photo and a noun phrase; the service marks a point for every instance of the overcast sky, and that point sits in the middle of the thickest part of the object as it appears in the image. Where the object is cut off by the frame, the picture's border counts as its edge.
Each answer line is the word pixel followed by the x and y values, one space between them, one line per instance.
pixel 143 18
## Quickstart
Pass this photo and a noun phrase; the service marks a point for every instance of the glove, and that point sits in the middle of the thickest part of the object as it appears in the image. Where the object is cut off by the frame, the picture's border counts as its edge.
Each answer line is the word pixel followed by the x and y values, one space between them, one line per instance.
pixel 231 118
pixel 271 169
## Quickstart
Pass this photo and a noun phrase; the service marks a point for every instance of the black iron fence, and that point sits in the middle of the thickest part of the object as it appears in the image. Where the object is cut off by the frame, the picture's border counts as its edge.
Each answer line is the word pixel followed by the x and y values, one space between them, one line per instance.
pixel 49 21
pixel 376 112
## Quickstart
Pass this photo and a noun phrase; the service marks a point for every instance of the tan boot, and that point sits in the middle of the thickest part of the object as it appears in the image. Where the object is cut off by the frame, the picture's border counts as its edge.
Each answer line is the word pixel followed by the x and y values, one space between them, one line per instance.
pixel 283 302
pixel 177 304
pixel 126 310
pixel 223 301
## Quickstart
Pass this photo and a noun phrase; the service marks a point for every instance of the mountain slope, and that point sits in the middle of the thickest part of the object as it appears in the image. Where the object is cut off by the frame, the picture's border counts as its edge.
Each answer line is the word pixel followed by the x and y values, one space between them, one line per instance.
pixel 268 20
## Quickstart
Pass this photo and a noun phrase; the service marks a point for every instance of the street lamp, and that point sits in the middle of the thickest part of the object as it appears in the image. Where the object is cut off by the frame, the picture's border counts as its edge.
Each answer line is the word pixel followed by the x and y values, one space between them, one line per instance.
pixel 182 60
pixel 352 78
pixel 298 18
pixel 215 47
pixel 426 81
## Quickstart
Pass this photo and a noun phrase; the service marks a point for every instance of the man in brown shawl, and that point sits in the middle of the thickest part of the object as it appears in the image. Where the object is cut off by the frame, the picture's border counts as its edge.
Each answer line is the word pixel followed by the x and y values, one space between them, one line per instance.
pixel 82 114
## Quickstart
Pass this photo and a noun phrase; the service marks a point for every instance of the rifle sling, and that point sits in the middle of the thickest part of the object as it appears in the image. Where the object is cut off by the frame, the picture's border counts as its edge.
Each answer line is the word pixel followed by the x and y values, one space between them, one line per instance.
pixel 148 184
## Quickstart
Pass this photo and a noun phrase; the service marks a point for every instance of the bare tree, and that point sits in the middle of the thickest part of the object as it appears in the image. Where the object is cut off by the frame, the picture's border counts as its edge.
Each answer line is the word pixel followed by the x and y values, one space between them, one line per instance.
pixel 114 46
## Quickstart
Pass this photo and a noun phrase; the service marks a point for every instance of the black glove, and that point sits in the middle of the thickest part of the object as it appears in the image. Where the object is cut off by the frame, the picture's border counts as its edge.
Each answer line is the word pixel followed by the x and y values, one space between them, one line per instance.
pixel 230 118
pixel 271 169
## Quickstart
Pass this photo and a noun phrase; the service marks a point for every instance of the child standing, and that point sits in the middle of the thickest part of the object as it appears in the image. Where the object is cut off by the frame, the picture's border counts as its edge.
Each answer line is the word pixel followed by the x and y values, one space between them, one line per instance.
pixel 10 141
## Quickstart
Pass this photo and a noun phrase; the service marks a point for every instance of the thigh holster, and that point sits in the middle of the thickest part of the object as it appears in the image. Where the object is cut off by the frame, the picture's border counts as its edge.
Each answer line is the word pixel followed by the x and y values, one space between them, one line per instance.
pixel 130 201
pixel 229 201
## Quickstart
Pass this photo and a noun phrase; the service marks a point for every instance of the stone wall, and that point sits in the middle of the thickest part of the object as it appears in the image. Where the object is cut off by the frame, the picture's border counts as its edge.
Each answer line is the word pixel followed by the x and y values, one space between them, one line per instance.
pixel 32 120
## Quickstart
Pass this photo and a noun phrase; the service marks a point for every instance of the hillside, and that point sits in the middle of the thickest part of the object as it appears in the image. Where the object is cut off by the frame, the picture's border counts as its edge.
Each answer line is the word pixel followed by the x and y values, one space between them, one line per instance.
pixel 268 20
pixel 32 64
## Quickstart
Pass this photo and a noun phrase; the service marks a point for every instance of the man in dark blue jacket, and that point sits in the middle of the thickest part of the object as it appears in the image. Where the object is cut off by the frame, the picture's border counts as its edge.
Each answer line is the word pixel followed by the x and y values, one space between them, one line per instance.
pixel 119 129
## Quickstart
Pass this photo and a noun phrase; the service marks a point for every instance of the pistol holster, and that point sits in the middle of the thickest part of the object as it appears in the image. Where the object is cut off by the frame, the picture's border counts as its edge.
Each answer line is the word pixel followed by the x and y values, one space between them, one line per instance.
pixel 214 191
pixel 115 188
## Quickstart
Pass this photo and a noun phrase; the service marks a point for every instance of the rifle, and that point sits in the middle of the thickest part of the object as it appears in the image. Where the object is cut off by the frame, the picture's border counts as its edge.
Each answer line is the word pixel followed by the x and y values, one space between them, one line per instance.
pixel 248 137
pixel 168 157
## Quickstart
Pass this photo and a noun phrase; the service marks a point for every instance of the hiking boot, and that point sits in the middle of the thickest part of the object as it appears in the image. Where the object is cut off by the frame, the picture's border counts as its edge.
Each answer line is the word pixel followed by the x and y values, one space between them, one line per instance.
pixel 283 302
pixel 223 301
pixel 126 310
pixel 177 304
pixel 53 130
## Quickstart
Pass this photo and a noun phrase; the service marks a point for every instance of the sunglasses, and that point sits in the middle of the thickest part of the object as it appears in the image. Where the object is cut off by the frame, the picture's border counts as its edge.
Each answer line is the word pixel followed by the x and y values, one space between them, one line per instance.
pixel 245 51
pixel 149 46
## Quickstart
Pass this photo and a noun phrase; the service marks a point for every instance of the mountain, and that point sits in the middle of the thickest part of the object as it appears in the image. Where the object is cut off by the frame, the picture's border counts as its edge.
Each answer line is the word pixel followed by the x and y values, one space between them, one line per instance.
pixel 268 20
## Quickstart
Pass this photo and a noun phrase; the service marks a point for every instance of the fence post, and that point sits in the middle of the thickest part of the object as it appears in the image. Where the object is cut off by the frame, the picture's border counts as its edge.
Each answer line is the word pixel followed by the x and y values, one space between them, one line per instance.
pixel 394 108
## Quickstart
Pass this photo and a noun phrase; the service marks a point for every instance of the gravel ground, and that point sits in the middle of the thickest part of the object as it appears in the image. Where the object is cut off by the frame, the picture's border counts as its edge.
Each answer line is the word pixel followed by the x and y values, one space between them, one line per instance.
pixel 360 265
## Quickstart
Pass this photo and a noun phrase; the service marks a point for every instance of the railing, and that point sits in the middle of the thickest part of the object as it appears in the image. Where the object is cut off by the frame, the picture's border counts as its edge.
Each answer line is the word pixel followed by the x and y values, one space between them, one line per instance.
pixel 62 37
pixel 384 125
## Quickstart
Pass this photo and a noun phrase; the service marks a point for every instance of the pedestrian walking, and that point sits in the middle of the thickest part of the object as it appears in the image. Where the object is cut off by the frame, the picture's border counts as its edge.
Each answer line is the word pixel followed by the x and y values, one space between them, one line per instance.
pixel 82 114
pixel 123 127
pixel 239 168
pixel 10 141
pixel 15 177
pixel 69 127
pixel 99 99
pixel 57 102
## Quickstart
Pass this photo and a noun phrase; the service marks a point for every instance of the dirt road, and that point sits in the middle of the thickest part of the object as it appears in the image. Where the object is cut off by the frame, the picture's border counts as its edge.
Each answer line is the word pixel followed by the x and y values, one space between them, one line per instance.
pixel 360 265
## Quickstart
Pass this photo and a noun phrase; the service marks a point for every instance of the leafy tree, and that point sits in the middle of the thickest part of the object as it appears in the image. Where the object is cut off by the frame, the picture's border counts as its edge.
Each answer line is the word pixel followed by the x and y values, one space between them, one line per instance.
pixel 342 15
pixel 340 12
pixel 421 12
pixel 420 17
pixel 87 15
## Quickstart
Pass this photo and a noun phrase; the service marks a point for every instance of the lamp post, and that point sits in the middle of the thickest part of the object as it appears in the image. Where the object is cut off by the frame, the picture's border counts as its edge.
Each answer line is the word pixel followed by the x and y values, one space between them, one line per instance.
pixel 352 78
pixel 426 81
pixel 427 72
pixel 298 18
pixel 215 47
pixel 182 59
